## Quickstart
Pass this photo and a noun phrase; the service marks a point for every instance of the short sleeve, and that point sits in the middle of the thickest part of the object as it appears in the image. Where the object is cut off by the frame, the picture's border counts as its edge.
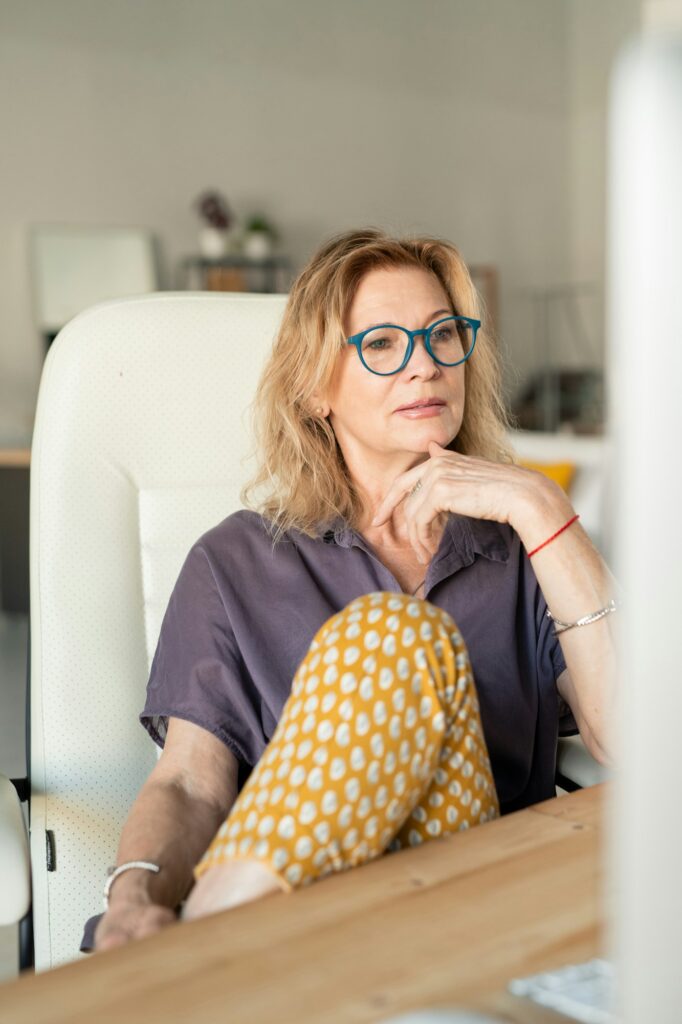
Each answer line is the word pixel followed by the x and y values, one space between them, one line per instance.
pixel 551 662
pixel 197 673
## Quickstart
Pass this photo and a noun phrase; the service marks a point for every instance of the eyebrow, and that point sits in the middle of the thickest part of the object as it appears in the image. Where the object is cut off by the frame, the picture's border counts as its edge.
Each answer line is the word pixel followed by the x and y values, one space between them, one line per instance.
pixel 382 322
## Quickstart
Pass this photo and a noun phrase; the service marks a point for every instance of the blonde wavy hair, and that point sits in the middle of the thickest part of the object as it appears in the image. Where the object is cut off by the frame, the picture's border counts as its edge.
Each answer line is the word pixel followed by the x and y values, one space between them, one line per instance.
pixel 300 462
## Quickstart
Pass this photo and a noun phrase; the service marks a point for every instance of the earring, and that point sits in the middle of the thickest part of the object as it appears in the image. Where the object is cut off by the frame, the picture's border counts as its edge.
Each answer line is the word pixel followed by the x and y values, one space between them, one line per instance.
pixel 319 410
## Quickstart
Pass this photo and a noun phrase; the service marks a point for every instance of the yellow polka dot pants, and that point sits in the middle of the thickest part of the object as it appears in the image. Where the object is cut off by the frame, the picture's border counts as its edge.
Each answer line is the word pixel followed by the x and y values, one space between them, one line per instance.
pixel 379 746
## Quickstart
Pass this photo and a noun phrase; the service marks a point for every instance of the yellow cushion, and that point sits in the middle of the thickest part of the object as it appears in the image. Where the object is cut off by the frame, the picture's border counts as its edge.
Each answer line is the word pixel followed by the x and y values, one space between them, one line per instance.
pixel 561 472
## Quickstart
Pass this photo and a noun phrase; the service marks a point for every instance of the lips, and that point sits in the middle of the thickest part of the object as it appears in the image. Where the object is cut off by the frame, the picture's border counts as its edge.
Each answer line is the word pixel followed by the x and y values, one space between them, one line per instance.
pixel 422 404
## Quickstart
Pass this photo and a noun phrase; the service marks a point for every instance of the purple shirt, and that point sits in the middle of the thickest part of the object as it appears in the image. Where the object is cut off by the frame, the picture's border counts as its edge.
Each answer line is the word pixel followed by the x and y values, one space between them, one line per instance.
pixel 242 615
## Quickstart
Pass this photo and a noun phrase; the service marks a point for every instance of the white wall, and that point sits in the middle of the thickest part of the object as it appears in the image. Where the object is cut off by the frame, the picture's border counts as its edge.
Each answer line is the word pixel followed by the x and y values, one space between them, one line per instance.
pixel 482 121
pixel 445 116
pixel 596 32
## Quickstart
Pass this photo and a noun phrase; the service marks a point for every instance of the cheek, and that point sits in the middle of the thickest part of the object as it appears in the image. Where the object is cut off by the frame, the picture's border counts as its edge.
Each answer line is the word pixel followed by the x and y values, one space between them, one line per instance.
pixel 357 393
pixel 457 387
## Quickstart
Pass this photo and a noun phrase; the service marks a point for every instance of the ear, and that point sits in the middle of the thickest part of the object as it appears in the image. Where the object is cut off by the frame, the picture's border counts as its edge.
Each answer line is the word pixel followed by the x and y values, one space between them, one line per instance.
pixel 319 407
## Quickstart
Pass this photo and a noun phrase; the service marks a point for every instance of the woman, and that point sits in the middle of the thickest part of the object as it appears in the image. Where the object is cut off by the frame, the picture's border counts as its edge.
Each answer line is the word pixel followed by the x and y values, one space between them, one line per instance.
pixel 382 439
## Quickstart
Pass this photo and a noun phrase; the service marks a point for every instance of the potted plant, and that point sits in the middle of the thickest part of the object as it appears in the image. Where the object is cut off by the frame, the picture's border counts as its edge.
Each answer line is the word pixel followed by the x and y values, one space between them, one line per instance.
pixel 259 237
pixel 217 217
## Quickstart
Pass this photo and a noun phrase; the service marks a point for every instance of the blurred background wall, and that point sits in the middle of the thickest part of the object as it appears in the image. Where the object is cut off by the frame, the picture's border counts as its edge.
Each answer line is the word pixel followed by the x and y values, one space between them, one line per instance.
pixel 480 121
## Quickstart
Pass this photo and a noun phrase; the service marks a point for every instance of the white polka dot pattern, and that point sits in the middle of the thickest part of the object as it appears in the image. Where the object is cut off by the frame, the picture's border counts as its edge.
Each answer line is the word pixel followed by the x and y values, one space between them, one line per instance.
pixel 404 761
pixel 140 433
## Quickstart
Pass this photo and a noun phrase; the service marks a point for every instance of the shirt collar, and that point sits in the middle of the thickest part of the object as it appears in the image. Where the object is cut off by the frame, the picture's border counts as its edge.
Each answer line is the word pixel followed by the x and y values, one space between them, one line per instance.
pixel 463 539
pixel 487 538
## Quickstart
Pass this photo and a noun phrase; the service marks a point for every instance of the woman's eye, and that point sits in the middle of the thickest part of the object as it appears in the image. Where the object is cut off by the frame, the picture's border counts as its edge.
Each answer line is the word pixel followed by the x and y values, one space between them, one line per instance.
pixel 377 343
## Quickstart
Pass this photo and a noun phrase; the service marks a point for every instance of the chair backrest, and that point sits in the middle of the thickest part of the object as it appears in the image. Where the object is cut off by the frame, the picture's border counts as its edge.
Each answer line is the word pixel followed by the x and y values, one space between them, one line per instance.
pixel 141 444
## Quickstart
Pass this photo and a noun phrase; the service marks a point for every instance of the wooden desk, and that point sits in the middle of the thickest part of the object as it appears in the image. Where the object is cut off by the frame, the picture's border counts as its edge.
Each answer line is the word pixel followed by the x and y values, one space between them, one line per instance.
pixel 448 922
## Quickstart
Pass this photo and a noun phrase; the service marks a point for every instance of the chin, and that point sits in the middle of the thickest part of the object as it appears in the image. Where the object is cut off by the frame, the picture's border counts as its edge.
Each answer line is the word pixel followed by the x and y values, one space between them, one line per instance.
pixel 423 437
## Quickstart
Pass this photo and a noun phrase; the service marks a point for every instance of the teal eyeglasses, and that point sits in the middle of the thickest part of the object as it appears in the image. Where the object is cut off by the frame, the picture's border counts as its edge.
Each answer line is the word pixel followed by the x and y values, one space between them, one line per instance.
pixel 387 348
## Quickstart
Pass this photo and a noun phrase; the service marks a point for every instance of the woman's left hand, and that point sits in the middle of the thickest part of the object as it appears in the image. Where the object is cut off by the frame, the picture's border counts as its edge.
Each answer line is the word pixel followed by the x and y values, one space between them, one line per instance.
pixel 474 487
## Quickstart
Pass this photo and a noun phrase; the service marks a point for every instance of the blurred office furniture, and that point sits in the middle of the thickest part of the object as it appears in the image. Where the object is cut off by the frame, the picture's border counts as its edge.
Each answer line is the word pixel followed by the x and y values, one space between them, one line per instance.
pixel 141 444
pixel 75 267
pixel 566 389
pixel 274 274
pixel 14 518
pixel 235 273
pixel 557 400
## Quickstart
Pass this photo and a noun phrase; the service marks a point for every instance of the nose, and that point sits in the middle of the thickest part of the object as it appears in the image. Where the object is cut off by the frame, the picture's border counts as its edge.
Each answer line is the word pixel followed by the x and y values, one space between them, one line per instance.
pixel 420 363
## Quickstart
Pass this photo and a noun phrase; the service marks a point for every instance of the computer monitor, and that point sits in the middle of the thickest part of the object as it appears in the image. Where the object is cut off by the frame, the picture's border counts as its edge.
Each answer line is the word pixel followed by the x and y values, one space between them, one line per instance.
pixel 644 326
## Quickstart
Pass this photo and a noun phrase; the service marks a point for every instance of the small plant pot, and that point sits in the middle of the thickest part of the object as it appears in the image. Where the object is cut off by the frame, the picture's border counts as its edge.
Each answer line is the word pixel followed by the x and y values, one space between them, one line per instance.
pixel 212 243
pixel 257 245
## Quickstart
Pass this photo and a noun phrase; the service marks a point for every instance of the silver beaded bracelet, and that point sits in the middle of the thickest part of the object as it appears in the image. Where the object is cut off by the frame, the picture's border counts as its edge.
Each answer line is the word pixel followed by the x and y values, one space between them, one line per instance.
pixel 585 621
pixel 115 872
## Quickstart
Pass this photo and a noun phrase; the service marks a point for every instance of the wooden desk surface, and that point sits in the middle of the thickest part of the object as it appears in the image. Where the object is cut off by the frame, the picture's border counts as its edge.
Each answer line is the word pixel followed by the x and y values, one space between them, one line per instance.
pixel 449 922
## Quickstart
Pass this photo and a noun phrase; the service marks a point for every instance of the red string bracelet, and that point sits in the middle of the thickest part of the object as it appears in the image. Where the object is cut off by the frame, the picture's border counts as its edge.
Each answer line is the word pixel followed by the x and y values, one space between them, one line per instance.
pixel 553 537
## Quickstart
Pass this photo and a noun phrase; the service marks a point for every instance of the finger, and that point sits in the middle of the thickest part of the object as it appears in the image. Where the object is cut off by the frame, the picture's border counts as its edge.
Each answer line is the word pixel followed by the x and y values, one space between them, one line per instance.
pixel 436 528
pixel 424 534
pixel 436 449
pixel 150 928
pixel 111 941
pixel 415 522
pixel 421 553
pixel 398 490
pixel 414 518
pixel 414 542
pixel 425 523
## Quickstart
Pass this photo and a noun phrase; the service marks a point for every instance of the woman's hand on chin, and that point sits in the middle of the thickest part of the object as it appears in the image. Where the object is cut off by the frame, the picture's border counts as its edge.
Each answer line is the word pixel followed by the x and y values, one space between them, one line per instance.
pixel 474 487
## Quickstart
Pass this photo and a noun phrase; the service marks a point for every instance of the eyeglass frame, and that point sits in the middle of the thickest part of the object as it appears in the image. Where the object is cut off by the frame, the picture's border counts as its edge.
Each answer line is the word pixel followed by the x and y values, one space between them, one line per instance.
pixel 356 340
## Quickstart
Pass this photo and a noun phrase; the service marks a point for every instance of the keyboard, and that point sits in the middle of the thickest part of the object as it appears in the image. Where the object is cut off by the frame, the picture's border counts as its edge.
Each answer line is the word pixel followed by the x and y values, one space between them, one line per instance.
pixel 583 992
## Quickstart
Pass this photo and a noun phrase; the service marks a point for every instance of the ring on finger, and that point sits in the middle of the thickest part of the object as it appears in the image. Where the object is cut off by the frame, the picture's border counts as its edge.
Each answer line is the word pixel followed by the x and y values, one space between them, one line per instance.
pixel 415 488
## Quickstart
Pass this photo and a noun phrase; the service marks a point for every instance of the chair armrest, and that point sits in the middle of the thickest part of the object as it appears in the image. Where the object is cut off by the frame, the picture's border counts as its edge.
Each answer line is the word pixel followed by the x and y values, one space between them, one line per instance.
pixel 15 860
pixel 573 762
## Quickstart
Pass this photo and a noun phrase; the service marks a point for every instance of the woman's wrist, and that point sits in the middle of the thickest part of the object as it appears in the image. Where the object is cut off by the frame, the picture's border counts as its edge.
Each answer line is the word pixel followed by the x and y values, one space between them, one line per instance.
pixel 132 886
pixel 541 510
pixel 146 888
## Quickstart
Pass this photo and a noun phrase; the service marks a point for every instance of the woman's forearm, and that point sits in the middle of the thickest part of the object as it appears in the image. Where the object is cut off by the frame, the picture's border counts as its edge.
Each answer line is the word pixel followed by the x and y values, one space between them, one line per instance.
pixel 168 827
pixel 575 582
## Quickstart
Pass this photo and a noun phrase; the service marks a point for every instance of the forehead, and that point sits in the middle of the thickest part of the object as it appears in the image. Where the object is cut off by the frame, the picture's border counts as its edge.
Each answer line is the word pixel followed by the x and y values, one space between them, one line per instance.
pixel 396 293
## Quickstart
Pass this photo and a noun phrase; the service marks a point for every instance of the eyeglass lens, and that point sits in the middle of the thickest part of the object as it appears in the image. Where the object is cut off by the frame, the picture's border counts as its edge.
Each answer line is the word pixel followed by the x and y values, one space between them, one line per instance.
pixel 384 348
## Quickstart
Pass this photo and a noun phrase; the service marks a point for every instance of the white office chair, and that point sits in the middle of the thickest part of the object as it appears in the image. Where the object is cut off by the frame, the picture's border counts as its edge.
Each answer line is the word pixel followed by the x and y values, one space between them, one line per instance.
pixel 140 446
